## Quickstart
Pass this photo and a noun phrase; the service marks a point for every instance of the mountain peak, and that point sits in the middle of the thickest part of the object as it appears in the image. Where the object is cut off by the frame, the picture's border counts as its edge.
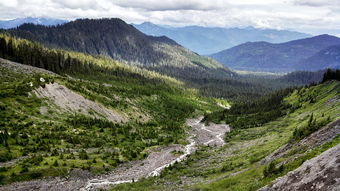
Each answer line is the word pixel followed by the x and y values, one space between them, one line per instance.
pixel 35 20
pixel 325 36
pixel 113 37
pixel 148 24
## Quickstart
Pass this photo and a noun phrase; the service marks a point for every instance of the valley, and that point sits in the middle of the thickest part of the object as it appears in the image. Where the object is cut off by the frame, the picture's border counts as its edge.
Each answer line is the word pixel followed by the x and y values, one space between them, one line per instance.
pixel 241 163
pixel 96 104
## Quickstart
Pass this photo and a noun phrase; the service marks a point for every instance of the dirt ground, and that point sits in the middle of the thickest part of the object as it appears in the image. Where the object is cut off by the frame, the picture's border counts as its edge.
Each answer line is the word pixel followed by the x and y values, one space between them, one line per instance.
pixel 211 134
pixel 68 100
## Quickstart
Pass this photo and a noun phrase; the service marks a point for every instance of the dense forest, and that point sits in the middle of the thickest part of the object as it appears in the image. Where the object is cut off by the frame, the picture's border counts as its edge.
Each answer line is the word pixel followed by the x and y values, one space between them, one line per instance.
pixel 110 37
pixel 66 62
pixel 254 113
pixel 331 75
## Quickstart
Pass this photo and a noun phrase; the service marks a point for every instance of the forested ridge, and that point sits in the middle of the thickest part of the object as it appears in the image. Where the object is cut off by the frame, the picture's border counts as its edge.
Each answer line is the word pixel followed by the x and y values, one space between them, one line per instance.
pixel 66 62
pixel 309 54
pixel 115 39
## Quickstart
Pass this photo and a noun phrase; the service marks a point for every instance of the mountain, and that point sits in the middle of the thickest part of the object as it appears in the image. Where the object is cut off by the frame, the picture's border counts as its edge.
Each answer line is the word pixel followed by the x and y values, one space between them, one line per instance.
pixel 98 115
pixel 41 21
pixel 282 57
pixel 326 58
pixel 208 40
pixel 118 40
pixel 72 121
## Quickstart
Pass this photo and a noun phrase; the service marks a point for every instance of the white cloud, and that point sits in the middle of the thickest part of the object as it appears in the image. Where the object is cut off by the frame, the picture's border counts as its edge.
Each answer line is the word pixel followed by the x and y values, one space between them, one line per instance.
pixel 6 3
pixel 303 15
pixel 78 4
pixel 163 5
pixel 317 3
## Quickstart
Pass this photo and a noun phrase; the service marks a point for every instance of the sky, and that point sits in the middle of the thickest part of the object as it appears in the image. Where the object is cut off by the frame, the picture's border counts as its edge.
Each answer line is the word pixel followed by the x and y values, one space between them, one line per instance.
pixel 310 16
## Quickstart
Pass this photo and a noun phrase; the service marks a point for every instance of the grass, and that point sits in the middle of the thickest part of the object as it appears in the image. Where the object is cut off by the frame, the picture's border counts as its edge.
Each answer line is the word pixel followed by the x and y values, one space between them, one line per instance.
pixel 236 166
pixel 158 111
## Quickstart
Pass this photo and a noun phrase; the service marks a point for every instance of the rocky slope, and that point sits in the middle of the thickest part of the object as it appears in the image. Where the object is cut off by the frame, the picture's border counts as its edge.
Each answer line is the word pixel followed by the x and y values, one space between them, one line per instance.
pixel 69 101
pixel 320 173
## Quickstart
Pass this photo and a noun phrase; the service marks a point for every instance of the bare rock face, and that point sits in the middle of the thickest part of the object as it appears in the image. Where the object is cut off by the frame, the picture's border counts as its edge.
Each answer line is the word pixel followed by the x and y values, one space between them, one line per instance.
pixel 70 101
pixel 321 173
pixel 315 139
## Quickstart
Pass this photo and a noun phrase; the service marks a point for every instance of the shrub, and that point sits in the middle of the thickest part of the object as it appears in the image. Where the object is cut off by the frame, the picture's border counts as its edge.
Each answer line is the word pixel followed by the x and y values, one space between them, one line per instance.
pixel 83 155
pixel 56 163
pixel 35 175
pixel 271 170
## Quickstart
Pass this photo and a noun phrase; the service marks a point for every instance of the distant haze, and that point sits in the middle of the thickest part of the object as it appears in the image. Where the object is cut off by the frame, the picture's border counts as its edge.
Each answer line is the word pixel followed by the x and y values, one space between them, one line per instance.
pixel 308 16
pixel 315 53
pixel 208 40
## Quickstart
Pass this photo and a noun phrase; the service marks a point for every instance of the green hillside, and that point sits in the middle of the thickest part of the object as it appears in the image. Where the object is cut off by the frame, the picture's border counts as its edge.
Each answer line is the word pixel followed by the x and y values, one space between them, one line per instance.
pixel 48 140
pixel 65 110
pixel 247 162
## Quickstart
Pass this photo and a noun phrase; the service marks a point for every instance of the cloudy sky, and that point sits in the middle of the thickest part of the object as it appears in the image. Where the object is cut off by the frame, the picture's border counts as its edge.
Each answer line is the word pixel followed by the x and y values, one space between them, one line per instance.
pixel 312 16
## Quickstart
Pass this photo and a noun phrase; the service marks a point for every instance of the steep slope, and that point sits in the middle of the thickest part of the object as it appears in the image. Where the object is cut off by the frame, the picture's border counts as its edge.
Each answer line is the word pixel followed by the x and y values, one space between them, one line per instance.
pixel 319 173
pixel 41 21
pixel 283 57
pixel 208 40
pixel 118 40
pixel 255 156
pixel 67 100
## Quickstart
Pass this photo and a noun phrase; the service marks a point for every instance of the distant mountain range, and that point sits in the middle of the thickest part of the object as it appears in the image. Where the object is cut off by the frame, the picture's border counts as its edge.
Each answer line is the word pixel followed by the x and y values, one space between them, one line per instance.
pixel 116 39
pixel 208 40
pixel 311 54
pixel 41 21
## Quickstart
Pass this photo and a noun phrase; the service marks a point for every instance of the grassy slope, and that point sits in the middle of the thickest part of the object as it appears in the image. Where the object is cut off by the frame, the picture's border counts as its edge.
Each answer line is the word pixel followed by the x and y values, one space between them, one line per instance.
pixel 164 105
pixel 236 166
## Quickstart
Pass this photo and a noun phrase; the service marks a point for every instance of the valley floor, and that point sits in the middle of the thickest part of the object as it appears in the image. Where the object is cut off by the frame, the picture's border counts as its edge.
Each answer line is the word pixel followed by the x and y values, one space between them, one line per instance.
pixel 242 164
pixel 158 159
